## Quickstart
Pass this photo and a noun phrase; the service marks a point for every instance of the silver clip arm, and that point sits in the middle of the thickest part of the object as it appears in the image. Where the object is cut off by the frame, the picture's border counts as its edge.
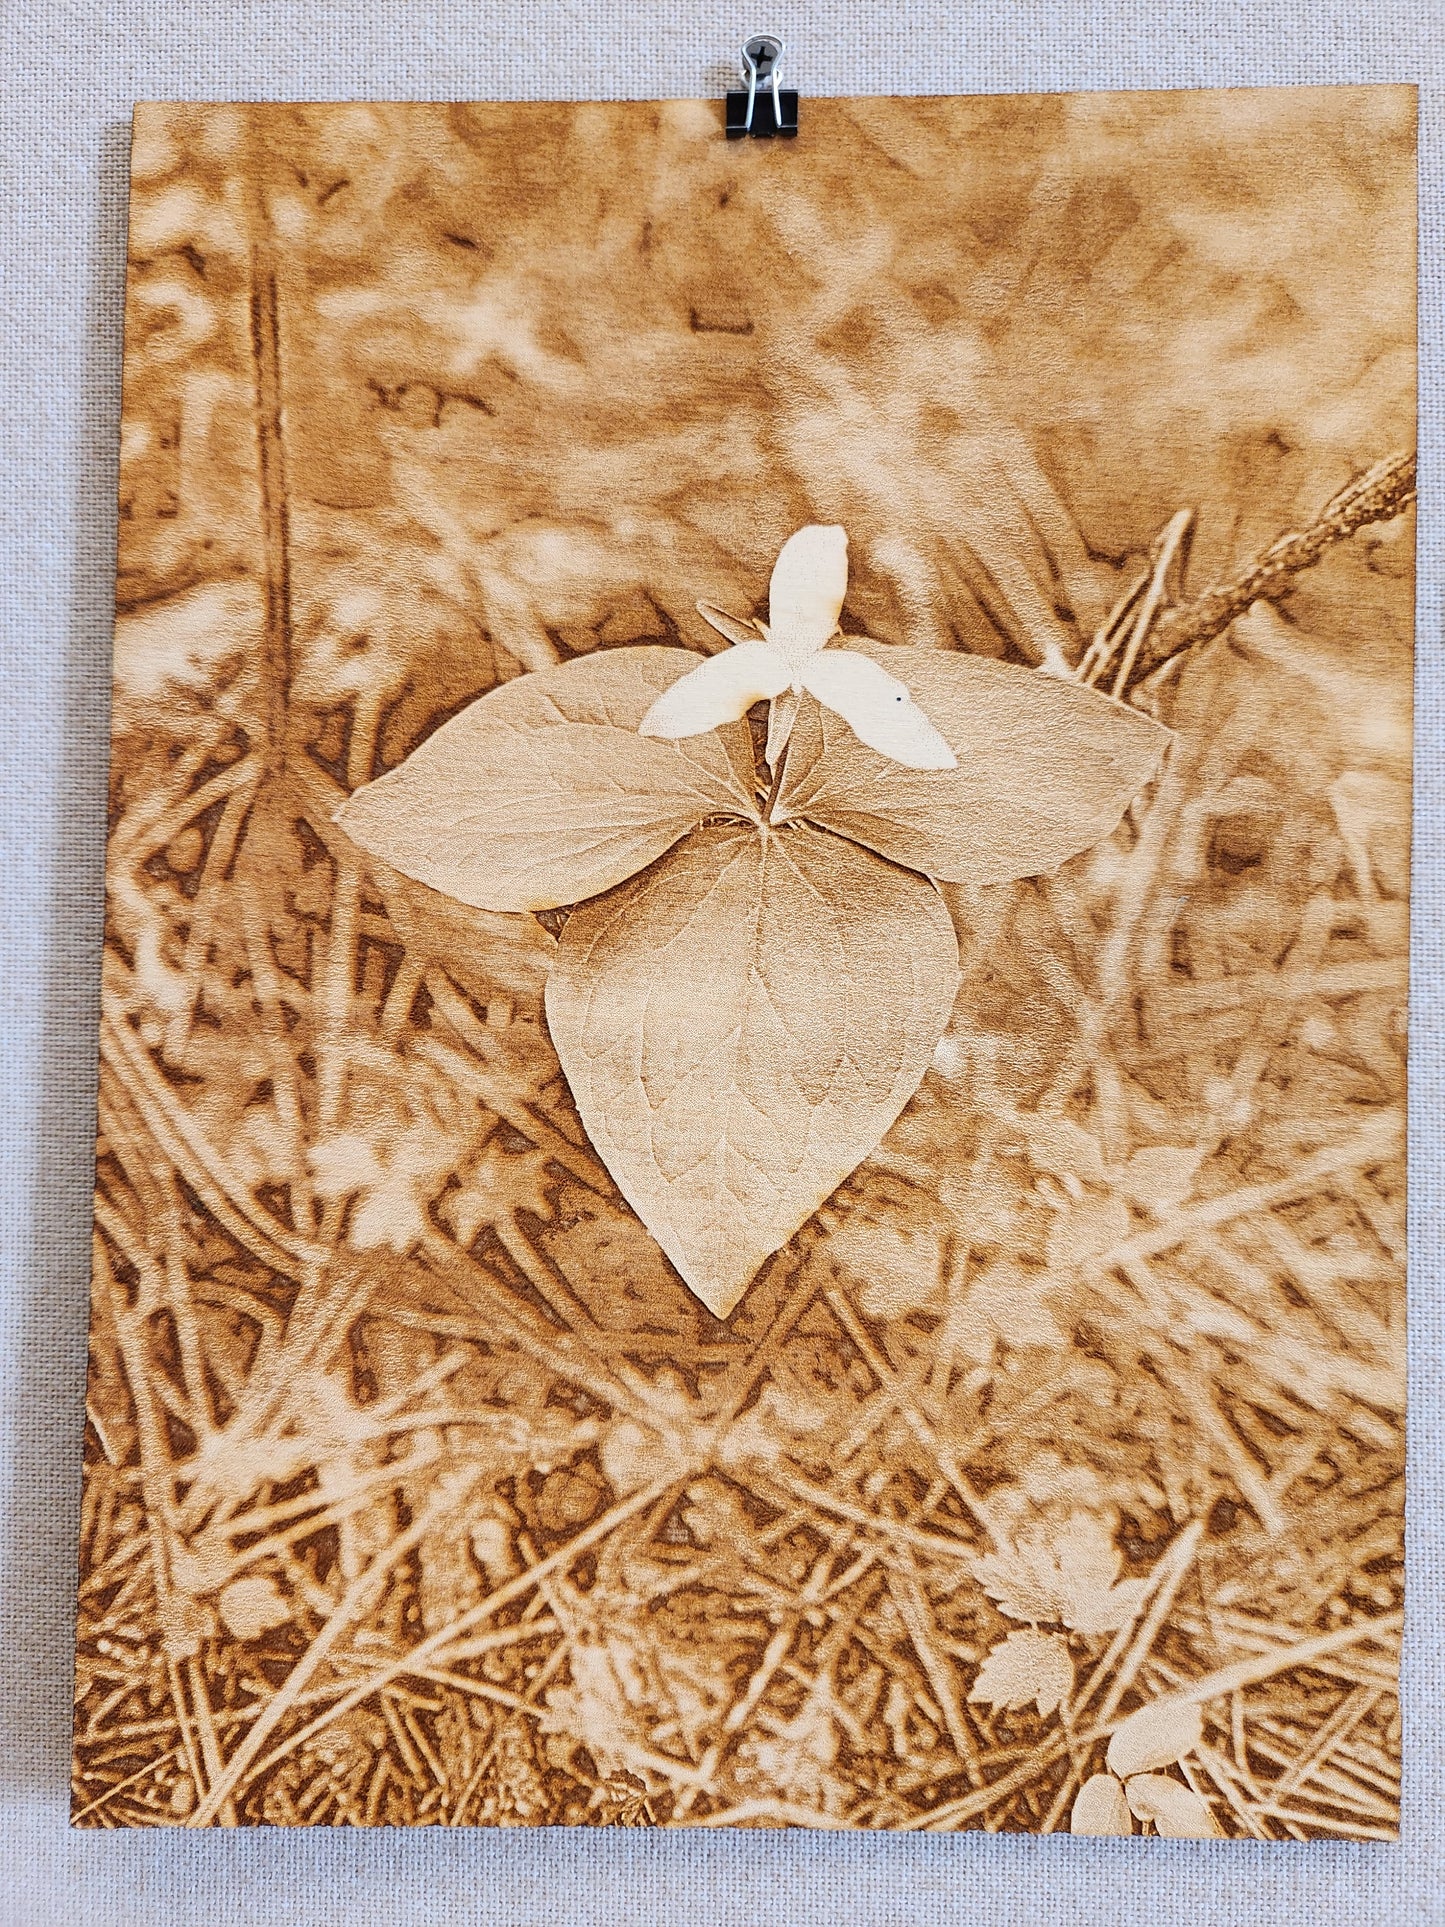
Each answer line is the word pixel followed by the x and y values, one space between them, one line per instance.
pixel 762 54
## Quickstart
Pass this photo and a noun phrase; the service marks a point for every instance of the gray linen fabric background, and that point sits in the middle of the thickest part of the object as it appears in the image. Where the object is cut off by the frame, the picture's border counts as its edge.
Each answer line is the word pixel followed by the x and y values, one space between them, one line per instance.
pixel 69 71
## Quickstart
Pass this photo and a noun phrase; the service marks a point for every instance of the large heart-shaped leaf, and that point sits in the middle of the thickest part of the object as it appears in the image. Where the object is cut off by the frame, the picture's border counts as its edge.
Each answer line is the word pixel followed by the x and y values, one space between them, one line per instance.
pixel 1045 769
pixel 542 792
pixel 740 1026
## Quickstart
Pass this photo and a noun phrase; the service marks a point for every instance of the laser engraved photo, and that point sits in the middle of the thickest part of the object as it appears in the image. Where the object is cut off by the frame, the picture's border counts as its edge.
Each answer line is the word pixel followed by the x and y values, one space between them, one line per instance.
pixel 751 1159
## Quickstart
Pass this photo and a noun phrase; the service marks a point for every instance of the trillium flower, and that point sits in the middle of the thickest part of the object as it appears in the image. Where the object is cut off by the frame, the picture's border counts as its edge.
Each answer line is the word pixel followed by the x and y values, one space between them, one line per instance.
pixel 805 598
pixel 754 976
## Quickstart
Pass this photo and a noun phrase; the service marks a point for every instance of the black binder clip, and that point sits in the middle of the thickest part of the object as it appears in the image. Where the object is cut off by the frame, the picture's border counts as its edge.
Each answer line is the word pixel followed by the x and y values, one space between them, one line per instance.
pixel 765 109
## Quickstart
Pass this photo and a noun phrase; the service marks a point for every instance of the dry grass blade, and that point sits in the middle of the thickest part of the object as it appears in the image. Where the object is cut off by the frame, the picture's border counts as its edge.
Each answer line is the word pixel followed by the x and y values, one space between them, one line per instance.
pixel 1382 492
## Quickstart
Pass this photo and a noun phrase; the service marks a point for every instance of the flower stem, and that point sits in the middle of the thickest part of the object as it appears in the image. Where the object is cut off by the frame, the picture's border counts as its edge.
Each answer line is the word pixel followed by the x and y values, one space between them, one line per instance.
pixel 777 782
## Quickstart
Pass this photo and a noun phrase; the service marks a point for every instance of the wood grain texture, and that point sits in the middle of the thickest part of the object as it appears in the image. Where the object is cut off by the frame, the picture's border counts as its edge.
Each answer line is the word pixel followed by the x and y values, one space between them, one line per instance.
pixel 419 1489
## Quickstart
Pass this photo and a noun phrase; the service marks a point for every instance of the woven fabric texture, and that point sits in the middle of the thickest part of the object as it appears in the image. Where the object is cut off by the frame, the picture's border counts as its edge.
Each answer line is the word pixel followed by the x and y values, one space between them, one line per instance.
pixel 71 74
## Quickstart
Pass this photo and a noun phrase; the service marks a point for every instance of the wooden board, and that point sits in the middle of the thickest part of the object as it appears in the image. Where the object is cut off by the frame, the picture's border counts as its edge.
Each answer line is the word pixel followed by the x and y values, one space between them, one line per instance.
pixel 875 1297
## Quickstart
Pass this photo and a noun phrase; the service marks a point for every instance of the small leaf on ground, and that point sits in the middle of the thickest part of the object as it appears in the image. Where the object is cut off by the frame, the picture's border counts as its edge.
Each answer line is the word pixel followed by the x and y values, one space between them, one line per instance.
pixel 1008 1305
pixel 1066 1573
pixel 1177 1811
pixel 740 1026
pixel 1101 1808
pixel 1045 769
pixel 1157 1735
pixel 542 792
pixel 897 1268
pixel 1022 1667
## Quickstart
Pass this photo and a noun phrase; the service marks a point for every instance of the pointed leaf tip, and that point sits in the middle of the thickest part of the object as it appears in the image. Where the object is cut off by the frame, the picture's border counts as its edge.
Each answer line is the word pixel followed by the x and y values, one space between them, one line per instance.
pixel 740 1026
pixel 735 628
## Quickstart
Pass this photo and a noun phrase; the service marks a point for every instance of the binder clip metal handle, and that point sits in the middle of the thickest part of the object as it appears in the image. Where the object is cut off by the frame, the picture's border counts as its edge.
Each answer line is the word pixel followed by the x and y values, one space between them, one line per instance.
pixel 766 109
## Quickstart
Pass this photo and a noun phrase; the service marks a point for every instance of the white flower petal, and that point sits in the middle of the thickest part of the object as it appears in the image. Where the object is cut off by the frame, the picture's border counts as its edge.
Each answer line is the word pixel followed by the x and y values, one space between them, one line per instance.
pixel 878 709
pixel 810 580
pixel 719 691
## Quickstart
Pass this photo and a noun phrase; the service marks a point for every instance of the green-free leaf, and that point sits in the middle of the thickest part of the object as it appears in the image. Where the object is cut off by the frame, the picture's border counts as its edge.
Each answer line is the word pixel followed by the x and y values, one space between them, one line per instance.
pixel 1025 1666
pixel 1101 1808
pixel 543 793
pixel 1159 1734
pixel 1045 769
pixel 1177 1811
pixel 1066 1572
pixel 740 1026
